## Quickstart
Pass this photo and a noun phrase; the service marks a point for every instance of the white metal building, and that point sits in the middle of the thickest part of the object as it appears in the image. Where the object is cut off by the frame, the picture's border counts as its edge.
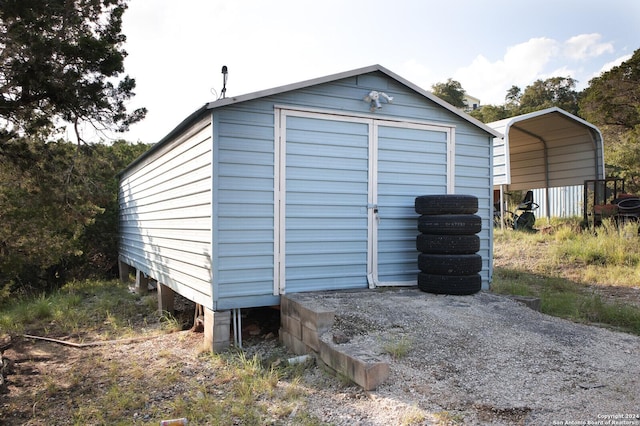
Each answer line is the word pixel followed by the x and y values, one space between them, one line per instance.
pixel 550 148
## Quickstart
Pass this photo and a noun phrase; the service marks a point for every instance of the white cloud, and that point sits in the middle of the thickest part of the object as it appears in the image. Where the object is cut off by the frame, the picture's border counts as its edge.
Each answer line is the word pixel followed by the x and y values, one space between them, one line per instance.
pixel 520 65
pixel 606 67
pixel 417 73
pixel 537 58
pixel 586 46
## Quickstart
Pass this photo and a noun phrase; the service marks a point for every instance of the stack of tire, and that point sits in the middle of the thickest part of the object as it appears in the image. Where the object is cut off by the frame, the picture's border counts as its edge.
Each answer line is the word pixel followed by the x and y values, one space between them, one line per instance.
pixel 448 244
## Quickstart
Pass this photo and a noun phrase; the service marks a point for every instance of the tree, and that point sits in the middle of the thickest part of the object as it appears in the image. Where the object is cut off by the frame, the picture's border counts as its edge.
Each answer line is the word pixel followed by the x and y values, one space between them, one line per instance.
pixel 59 222
pixel 490 113
pixel 554 91
pixel 451 92
pixel 61 60
pixel 612 102
pixel 512 98
pixel 613 99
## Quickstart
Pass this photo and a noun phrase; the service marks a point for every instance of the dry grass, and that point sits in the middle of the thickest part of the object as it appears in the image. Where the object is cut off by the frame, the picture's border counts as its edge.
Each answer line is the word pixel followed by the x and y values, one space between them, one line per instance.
pixel 585 276
pixel 163 377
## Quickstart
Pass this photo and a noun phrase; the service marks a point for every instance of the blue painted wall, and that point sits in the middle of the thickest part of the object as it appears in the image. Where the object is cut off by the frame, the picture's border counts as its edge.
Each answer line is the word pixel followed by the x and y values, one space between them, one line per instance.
pixel 243 187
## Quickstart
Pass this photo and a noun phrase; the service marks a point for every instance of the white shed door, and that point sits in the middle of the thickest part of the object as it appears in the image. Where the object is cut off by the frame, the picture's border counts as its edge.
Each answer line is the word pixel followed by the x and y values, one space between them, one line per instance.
pixel 344 195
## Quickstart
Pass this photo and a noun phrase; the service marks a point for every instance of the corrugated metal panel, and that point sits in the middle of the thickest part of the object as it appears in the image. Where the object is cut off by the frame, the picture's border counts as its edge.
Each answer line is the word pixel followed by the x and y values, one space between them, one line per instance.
pixel 473 177
pixel 500 162
pixel 243 206
pixel 411 162
pixel 165 215
pixel 373 77
pixel 548 148
pixel 326 204
pixel 565 201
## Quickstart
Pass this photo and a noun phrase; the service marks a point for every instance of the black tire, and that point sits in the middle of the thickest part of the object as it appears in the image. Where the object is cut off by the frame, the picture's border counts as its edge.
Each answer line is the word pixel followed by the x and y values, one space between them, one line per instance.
pixel 446 264
pixel 446 204
pixel 447 284
pixel 448 244
pixel 629 205
pixel 450 224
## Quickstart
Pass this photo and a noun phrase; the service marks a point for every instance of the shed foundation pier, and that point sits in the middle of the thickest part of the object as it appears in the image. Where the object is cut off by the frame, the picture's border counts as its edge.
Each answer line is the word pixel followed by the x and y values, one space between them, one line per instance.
pixel 217 329
pixel 142 283
pixel 166 296
pixel 123 271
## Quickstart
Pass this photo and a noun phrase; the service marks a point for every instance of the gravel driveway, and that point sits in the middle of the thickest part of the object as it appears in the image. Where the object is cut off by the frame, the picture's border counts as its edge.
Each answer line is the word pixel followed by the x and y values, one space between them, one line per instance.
pixel 481 359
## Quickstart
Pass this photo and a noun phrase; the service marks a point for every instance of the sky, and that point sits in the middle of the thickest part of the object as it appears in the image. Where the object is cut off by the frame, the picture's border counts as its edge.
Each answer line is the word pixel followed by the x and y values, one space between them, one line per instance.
pixel 176 49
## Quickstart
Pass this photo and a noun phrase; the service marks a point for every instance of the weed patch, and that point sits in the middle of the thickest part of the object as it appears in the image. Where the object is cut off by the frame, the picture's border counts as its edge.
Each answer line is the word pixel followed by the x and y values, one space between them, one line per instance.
pixel 397 347
pixel 103 308
pixel 563 267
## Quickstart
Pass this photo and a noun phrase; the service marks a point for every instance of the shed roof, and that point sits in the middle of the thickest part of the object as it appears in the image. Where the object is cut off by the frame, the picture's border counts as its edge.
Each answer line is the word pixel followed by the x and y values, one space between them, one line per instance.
pixel 206 108
pixel 346 74
pixel 549 148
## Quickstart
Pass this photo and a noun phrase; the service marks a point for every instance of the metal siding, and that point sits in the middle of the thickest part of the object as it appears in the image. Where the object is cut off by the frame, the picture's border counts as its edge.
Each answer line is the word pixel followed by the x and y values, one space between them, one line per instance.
pixel 326 199
pixel 574 150
pixel 411 162
pixel 243 220
pixel 473 177
pixel 500 162
pixel 566 201
pixel 165 215
pixel 239 235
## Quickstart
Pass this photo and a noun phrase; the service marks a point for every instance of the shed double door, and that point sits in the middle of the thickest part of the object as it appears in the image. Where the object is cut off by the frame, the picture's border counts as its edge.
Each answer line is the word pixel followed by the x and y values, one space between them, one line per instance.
pixel 344 199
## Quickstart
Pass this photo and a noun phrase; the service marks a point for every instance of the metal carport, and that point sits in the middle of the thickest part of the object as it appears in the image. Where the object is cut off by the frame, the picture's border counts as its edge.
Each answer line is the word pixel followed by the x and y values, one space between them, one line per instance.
pixel 546 149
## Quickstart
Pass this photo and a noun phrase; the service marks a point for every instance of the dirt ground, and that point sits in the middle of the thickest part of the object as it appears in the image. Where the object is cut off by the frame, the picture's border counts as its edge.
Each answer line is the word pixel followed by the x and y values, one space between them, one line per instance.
pixel 481 359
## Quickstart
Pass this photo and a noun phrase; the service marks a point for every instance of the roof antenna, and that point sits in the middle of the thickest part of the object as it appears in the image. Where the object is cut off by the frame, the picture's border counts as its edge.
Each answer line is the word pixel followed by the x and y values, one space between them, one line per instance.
pixel 224 81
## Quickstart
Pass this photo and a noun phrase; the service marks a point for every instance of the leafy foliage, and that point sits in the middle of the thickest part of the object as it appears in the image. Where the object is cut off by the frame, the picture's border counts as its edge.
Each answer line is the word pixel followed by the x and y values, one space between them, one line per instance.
pixel 612 102
pixel 59 213
pixel 451 91
pixel 555 91
pixel 490 113
pixel 60 60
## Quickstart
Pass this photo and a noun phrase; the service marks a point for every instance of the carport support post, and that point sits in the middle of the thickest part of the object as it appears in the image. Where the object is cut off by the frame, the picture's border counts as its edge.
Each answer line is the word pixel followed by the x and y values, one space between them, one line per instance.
pixel 217 329
pixel 166 296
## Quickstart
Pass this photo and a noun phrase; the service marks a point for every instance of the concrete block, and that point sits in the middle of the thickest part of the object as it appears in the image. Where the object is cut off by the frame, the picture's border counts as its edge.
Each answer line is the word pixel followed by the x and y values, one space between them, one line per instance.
pixel 142 283
pixel 365 370
pixel 531 302
pixel 294 344
pixel 310 338
pixel 317 318
pixel 310 315
pixel 123 270
pixel 289 307
pixel 166 297
pixel 291 325
pixel 217 329
pixel 284 305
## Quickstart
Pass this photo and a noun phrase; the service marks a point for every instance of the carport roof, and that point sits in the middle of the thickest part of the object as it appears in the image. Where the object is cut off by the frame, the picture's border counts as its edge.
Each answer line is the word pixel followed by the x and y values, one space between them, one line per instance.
pixel 545 149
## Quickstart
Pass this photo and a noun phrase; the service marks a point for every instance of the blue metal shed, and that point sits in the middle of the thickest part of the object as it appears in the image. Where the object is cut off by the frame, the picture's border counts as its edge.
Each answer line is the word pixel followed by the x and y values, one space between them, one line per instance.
pixel 304 187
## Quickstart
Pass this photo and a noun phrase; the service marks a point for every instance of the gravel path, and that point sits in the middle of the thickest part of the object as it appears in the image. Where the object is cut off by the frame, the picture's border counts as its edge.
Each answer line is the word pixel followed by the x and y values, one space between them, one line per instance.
pixel 481 359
